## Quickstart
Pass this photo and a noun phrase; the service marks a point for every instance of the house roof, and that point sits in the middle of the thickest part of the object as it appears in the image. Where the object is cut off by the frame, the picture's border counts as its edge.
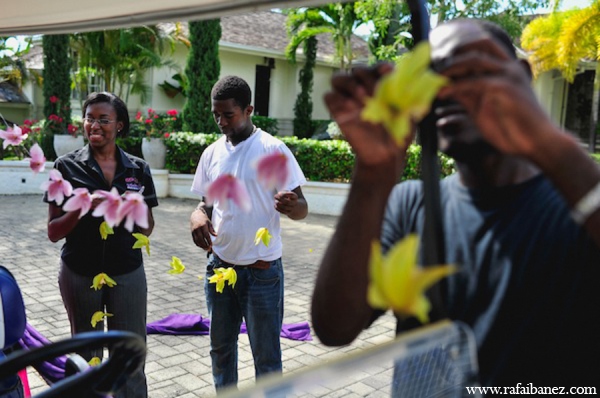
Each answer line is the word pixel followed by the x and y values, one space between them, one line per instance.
pixel 11 93
pixel 255 31
pixel 266 30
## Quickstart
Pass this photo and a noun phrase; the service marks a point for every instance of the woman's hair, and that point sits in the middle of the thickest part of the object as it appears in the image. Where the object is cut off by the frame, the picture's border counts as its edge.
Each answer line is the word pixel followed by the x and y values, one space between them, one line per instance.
pixel 232 87
pixel 116 102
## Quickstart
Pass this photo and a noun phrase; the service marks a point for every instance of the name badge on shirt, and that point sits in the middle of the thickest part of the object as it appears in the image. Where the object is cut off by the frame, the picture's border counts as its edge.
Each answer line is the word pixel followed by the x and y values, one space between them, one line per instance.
pixel 133 184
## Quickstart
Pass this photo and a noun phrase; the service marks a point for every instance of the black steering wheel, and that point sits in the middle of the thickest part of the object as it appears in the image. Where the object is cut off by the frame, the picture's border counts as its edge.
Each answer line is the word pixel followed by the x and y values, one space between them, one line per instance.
pixel 128 352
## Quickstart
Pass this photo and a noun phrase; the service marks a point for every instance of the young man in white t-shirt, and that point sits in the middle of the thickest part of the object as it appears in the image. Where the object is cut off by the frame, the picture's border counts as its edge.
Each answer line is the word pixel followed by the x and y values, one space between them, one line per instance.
pixel 227 232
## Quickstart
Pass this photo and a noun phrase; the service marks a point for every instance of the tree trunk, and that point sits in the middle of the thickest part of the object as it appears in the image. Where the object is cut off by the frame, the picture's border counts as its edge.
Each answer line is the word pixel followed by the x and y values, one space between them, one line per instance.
pixel 595 106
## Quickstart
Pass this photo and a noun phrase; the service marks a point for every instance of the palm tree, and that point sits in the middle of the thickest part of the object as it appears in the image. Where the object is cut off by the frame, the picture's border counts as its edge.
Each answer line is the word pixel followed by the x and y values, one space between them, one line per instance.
pixel 120 58
pixel 560 41
pixel 338 19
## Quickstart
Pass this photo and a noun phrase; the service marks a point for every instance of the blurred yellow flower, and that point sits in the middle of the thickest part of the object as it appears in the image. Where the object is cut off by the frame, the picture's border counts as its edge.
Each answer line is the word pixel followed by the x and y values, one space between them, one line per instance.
pixel 262 235
pixel 99 317
pixel 142 241
pixel 221 275
pixel 105 230
pixel 404 94
pixel 95 361
pixel 177 266
pixel 102 279
pixel 398 283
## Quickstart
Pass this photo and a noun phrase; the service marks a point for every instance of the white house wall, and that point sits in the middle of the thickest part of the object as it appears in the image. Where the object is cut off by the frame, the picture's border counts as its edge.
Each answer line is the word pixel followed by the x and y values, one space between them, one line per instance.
pixel 549 88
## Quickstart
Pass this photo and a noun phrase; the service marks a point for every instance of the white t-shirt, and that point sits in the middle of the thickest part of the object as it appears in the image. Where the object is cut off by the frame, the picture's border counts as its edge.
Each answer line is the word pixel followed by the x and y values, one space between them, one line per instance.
pixel 235 228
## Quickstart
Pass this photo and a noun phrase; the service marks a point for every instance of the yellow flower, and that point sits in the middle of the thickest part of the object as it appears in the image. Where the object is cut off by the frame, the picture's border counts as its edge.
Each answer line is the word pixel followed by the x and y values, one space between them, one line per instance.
pixel 99 317
pixel 398 283
pixel 221 275
pixel 262 235
pixel 404 94
pixel 142 240
pixel 176 265
pixel 105 230
pixel 95 361
pixel 102 279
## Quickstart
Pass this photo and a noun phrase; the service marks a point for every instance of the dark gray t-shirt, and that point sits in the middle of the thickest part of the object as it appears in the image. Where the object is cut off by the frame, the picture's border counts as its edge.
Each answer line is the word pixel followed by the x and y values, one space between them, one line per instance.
pixel 528 278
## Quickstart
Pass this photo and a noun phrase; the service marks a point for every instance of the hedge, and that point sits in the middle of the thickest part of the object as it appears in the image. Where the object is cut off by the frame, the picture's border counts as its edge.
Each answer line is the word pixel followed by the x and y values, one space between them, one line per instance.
pixel 329 161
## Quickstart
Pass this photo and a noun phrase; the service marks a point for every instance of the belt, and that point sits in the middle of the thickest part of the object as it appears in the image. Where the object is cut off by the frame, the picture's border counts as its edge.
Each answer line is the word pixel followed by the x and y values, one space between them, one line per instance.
pixel 259 264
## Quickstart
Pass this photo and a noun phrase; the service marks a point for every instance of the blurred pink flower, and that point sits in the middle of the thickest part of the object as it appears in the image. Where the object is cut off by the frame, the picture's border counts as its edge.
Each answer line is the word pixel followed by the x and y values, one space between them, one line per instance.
pixel 109 207
pixel 272 171
pixel 37 161
pixel 53 99
pixel 134 210
pixel 228 187
pixel 172 112
pixel 12 136
pixel 57 187
pixel 81 200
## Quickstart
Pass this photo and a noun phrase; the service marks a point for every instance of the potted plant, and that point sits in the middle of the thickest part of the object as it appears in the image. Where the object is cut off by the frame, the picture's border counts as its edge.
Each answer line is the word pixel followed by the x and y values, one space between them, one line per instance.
pixel 159 127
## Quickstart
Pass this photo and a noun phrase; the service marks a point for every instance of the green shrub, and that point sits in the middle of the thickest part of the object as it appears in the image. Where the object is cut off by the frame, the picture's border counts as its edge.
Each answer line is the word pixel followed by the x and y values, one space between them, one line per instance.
pixel 184 150
pixel 266 124
pixel 329 160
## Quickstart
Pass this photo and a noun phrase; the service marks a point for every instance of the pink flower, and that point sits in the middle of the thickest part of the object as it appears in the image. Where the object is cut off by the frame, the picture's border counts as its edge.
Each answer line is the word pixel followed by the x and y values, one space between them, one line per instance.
pixel 57 187
pixel 81 200
pixel 53 99
pixel 227 187
pixel 134 210
pixel 167 135
pixel 148 121
pixel 138 115
pixel 172 112
pixel 109 207
pixel 150 111
pixel 272 170
pixel 12 136
pixel 37 161
pixel 72 129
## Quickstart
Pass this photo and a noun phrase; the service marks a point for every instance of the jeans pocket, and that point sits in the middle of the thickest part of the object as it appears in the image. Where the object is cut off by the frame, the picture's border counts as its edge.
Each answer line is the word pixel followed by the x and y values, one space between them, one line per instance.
pixel 270 275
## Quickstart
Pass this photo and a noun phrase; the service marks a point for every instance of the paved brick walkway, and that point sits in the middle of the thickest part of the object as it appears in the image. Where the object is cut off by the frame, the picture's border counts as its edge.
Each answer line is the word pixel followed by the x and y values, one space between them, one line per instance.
pixel 177 366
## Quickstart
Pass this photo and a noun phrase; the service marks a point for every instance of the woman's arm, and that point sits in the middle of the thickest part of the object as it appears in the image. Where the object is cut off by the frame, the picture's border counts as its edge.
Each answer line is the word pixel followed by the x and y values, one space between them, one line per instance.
pixel 60 224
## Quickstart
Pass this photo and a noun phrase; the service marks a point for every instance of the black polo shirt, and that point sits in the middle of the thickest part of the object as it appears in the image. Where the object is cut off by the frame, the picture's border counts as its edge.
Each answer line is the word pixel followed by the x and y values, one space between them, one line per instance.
pixel 84 251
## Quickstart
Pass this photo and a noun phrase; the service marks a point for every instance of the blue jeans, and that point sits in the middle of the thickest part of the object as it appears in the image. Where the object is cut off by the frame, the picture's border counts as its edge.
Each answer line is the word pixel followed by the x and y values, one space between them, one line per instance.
pixel 257 298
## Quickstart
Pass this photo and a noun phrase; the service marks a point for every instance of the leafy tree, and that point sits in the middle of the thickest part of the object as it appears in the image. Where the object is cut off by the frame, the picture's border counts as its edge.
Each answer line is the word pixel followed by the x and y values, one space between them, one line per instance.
pixel 202 71
pixel 119 59
pixel 391 19
pixel 12 68
pixel 303 125
pixel 56 88
pixel 561 41
pixel 337 19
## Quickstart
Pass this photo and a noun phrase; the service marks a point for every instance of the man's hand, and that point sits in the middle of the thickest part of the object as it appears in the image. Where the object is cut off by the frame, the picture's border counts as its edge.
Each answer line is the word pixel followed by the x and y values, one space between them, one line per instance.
pixel 291 203
pixel 496 91
pixel 373 145
pixel 202 229
pixel 285 202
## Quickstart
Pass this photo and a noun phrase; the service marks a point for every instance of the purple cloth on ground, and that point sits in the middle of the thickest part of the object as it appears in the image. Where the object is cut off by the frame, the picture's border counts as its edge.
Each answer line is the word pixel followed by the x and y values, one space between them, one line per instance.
pixel 192 324
pixel 53 370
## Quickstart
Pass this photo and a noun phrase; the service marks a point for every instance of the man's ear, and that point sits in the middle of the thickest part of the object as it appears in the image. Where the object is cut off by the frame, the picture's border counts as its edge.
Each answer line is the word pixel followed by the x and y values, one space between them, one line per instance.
pixel 249 110
pixel 527 67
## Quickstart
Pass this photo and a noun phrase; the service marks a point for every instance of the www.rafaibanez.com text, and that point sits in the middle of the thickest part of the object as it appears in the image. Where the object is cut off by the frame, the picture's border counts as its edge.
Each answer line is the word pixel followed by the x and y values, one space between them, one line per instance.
pixel 531 389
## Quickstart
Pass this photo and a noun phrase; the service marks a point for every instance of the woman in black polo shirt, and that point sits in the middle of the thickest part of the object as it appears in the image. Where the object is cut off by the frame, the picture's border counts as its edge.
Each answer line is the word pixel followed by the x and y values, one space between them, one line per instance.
pixel 102 165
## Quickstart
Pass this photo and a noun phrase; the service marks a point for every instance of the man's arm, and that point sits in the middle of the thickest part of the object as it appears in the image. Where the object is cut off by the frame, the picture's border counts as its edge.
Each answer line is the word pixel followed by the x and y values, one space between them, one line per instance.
pixel 201 227
pixel 339 304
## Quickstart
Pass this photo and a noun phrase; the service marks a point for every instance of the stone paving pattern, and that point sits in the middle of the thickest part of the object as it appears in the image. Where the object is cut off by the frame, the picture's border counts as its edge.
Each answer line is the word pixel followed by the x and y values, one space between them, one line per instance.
pixel 179 366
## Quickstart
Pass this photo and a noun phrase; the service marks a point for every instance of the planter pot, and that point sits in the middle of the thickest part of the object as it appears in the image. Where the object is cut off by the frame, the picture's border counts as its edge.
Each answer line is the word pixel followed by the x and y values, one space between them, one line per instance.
pixel 154 152
pixel 67 143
